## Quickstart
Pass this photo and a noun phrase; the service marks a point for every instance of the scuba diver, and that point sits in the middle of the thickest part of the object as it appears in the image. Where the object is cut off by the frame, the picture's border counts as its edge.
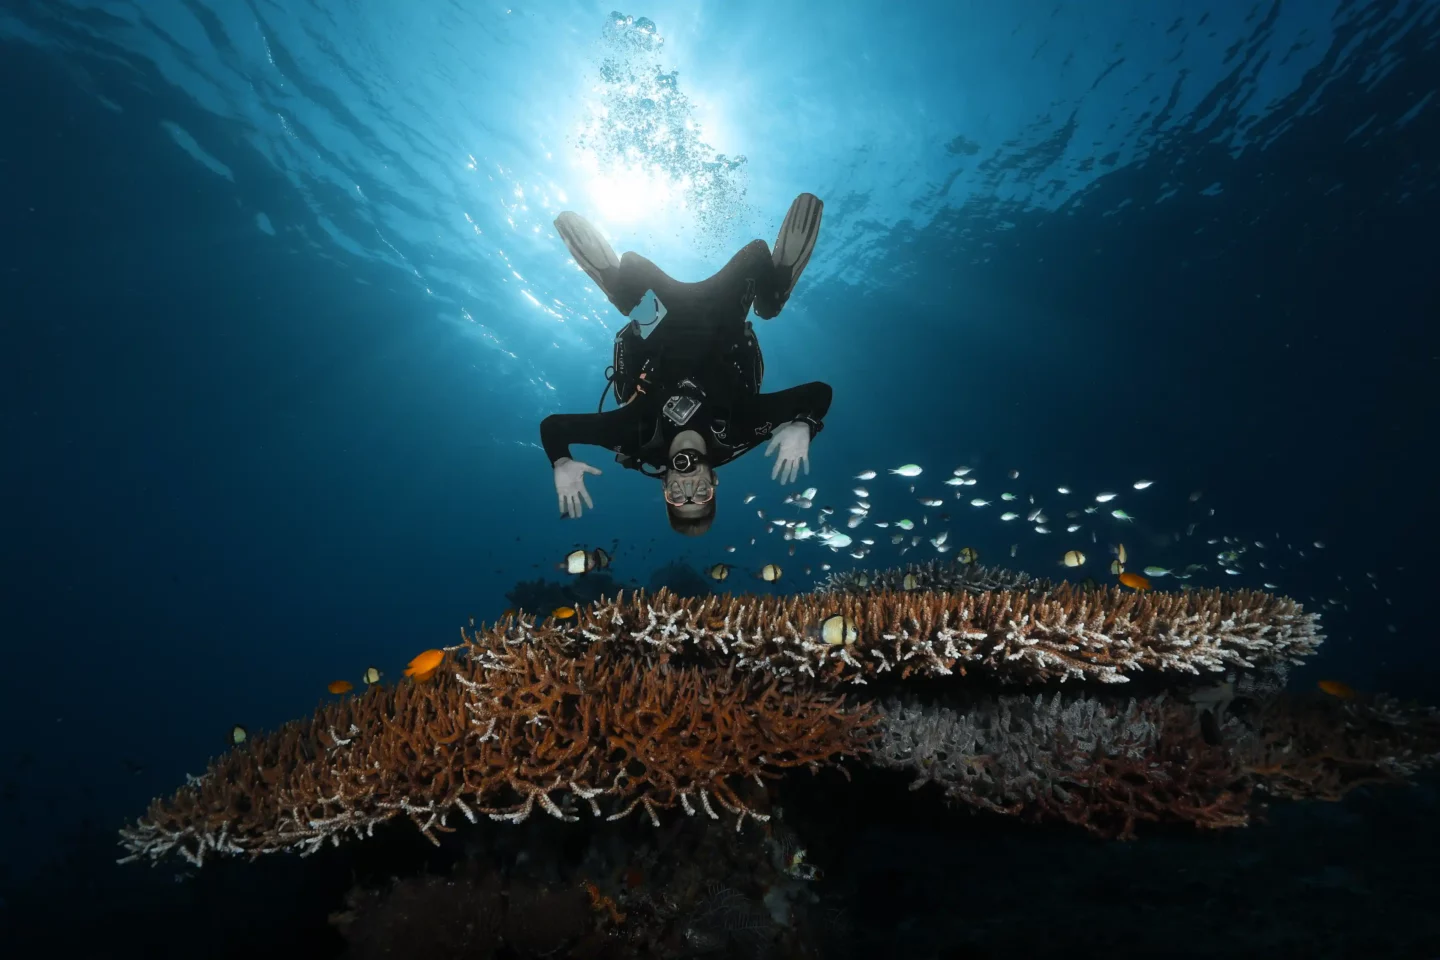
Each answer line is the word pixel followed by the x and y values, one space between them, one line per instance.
pixel 688 379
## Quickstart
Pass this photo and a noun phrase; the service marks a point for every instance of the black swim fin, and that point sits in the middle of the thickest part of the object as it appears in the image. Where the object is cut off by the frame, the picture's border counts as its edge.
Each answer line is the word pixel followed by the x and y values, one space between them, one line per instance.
pixel 592 251
pixel 796 242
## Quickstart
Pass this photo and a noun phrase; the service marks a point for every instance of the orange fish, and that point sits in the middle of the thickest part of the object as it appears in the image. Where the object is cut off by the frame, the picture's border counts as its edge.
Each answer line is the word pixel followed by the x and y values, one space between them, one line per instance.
pixel 1134 581
pixel 563 613
pixel 424 663
pixel 1337 689
pixel 340 686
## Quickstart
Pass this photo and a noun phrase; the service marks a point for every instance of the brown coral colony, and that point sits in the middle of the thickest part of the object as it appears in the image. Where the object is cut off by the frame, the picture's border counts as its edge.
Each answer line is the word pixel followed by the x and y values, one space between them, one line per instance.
pixel 648 703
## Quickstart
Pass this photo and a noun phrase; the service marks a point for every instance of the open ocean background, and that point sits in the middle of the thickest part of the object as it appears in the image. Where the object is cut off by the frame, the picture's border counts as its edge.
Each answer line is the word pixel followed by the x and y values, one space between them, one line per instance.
pixel 281 309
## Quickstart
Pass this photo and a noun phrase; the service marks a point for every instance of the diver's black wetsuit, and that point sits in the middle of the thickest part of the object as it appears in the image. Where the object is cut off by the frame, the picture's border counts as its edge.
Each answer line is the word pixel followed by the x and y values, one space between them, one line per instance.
pixel 702 338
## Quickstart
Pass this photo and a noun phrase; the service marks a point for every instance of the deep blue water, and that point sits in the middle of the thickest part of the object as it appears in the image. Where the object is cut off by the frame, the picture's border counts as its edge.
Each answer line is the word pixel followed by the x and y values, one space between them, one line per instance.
pixel 281 309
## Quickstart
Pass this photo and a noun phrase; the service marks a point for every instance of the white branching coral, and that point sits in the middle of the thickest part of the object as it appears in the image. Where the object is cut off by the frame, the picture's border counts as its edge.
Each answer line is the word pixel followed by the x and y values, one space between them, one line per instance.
pixel 1067 633
pixel 1100 764
pixel 1002 752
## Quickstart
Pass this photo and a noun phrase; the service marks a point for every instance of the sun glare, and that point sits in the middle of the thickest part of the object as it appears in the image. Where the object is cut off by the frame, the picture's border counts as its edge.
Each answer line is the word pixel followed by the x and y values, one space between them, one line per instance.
pixel 639 149
pixel 631 193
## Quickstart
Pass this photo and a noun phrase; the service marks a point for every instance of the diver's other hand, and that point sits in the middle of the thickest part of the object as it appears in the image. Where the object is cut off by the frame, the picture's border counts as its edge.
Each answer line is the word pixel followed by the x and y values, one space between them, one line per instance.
pixel 793 441
pixel 570 485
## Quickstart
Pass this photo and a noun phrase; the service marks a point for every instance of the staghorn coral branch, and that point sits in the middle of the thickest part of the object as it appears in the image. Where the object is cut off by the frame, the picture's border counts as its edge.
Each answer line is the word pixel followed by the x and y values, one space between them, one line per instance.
pixel 611 727
pixel 1024 636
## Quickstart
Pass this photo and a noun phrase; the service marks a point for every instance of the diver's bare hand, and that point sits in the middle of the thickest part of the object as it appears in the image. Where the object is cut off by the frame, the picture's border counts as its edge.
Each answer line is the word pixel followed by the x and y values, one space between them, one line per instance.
pixel 570 485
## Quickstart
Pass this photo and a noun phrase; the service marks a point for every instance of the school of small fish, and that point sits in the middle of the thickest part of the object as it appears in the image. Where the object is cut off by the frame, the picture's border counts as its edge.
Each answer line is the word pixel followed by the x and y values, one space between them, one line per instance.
pixel 1184 553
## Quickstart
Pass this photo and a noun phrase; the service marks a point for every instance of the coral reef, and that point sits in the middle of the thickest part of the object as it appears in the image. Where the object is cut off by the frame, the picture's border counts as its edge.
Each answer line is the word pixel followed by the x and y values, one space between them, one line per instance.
pixel 649 702
pixel 517 720
pixel 1107 766
pixel 725 920
pixel 692 888
pixel 1103 765
pixel 1314 748
pixel 935 575
pixel 1017 636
